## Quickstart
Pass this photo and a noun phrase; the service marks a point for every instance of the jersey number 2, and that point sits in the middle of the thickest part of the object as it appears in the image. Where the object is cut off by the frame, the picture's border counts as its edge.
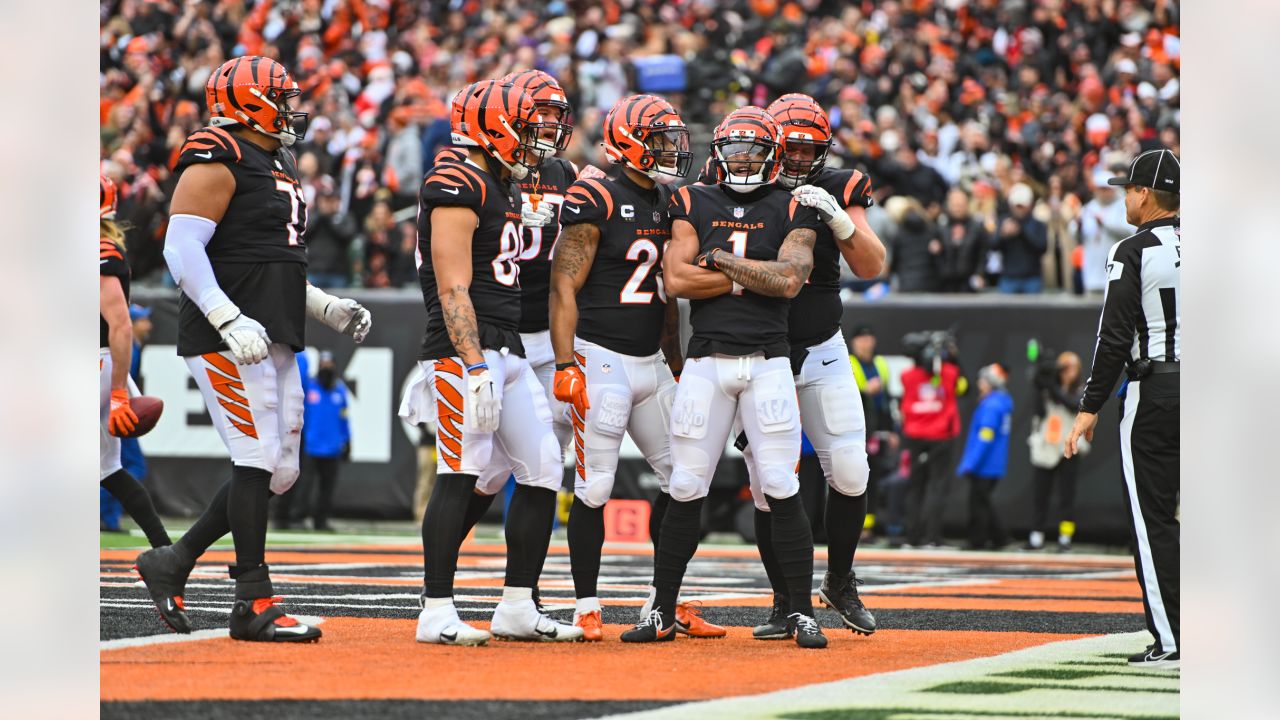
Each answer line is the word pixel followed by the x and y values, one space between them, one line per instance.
pixel 297 216
pixel 631 293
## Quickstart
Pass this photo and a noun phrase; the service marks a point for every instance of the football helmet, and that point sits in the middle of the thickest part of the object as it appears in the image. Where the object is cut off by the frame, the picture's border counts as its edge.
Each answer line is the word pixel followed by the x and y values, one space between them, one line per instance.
pixel 646 134
pixel 108 198
pixel 500 119
pixel 746 145
pixel 255 91
pixel 806 137
pixel 553 131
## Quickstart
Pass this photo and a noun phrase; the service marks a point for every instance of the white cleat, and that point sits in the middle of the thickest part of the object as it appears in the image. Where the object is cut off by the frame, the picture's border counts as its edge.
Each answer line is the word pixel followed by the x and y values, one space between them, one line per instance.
pixel 520 620
pixel 442 626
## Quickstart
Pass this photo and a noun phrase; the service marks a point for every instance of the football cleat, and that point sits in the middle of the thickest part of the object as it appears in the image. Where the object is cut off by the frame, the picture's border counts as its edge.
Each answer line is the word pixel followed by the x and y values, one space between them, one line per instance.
pixel 841 594
pixel 1153 658
pixel 589 622
pixel 808 633
pixel 262 620
pixel 442 626
pixel 166 578
pixel 775 628
pixel 650 630
pixel 520 620
pixel 689 622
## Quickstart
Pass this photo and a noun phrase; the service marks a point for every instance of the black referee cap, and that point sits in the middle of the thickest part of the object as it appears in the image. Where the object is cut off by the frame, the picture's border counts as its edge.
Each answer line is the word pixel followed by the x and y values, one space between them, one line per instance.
pixel 1154 169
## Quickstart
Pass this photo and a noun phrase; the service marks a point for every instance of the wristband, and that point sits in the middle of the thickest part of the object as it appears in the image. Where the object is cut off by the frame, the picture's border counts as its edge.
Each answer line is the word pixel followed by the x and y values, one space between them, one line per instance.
pixel 482 365
pixel 563 366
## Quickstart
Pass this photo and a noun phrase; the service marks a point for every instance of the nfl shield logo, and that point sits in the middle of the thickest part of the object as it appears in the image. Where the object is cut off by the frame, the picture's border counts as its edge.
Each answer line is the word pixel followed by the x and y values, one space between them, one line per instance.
pixel 657 216
pixel 739 212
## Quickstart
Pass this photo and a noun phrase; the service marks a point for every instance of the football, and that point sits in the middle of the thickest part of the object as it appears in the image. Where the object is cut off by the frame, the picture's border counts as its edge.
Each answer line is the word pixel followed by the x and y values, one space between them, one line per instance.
pixel 148 409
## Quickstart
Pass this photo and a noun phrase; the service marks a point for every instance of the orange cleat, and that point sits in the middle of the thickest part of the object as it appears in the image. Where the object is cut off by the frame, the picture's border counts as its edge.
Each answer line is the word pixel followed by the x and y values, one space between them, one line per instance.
pixel 592 629
pixel 689 622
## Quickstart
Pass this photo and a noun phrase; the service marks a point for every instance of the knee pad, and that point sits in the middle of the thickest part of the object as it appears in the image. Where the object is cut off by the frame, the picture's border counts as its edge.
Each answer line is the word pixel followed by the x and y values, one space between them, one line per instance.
pixel 691 468
pixel 778 481
pixel 848 469
pixel 283 478
pixel 550 474
pixel 595 490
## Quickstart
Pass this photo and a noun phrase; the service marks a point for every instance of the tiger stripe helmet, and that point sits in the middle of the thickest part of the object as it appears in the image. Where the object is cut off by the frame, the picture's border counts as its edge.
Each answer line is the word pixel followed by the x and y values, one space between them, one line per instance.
pixel 804 125
pixel 498 118
pixel 748 135
pixel 546 93
pixel 255 91
pixel 108 198
pixel 645 133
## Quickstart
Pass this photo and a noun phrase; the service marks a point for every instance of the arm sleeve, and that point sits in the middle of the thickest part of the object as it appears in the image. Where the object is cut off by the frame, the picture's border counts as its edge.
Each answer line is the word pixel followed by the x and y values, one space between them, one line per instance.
pixel 184 252
pixel 1120 310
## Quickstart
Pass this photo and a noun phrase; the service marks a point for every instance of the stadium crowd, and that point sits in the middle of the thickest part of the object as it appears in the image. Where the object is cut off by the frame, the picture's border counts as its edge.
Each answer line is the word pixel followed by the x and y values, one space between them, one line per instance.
pixel 985 124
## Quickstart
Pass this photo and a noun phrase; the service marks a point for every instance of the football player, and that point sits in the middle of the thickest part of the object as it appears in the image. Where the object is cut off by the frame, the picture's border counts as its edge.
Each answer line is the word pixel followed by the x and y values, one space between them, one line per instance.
pixel 115 355
pixel 616 336
pixel 824 378
pixel 480 390
pixel 235 246
pixel 740 249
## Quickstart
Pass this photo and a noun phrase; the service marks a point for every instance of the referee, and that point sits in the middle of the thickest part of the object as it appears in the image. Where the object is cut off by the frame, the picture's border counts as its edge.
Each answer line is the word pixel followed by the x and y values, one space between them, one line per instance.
pixel 1139 335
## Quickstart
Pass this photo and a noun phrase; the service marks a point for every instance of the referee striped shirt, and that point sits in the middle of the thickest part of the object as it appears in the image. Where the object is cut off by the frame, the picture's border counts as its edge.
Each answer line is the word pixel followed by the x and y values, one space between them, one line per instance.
pixel 1140 309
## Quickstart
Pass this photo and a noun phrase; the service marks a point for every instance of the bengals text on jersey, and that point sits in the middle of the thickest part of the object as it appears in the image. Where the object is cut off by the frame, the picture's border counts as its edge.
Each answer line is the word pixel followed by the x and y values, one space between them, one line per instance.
pixel 257 252
pixel 621 305
pixel 751 225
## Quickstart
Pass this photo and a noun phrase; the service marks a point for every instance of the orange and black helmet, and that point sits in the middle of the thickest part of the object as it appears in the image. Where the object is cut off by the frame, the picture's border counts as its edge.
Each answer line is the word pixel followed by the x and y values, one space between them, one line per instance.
pixel 646 134
pixel 546 93
pixel 750 137
pixel 499 119
pixel 255 92
pixel 108 199
pixel 806 137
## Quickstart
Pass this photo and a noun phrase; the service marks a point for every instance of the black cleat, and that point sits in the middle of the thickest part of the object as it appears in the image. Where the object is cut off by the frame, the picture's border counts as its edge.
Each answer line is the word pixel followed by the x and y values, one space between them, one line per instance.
pixel 262 620
pixel 650 630
pixel 166 579
pixel 808 633
pixel 1153 658
pixel 775 628
pixel 841 594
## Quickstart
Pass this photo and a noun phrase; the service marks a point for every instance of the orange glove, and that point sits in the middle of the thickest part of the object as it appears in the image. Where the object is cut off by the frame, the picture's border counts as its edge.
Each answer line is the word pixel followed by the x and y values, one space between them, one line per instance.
pixel 122 420
pixel 570 386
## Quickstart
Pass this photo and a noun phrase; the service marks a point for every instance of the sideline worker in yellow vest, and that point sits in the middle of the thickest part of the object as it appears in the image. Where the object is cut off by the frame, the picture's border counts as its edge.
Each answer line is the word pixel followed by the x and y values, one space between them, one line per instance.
pixel 872 374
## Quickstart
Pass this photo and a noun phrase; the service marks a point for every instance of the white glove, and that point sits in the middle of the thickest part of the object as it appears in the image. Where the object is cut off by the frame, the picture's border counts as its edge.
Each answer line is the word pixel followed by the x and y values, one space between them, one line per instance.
pixel 483 405
pixel 828 208
pixel 537 218
pixel 245 337
pixel 342 314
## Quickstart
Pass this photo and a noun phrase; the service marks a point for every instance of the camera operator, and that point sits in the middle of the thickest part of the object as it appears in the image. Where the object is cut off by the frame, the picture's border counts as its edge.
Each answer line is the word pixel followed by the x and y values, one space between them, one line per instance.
pixel 1058 385
pixel 930 424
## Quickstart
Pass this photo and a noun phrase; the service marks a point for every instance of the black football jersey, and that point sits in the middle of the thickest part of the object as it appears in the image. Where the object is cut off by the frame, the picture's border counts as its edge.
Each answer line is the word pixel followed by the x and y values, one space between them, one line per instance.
pixel 111 262
pixel 552 181
pixel 621 305
pixel 816 311
pixel 751 225
pixel 258 253
pixel 495 250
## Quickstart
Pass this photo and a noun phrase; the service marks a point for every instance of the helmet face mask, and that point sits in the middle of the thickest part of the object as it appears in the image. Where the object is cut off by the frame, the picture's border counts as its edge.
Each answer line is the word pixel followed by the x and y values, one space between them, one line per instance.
pixel 553 121
pixel 255 92
pixel 806 138
pixel 668 149
pixel 801 160
pixel 500 119
pixel 644 133
pixel 746 149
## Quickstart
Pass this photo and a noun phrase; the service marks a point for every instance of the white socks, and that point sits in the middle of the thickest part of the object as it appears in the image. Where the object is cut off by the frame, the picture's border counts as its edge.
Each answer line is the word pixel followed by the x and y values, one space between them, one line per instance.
pixel 516 594
pixel 582 606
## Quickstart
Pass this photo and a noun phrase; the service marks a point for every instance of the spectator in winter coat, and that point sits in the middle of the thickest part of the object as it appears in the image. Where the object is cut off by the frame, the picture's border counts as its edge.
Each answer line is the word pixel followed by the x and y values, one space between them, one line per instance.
pixel 329 235
pixel 986 457
pixel 1102 224
pixel 1022 240
pixel 916 247
pixel 962 247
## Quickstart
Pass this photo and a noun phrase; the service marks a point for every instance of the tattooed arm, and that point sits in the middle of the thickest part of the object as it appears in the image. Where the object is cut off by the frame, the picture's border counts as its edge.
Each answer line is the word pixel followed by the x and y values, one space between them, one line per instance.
pixel 777 278
pixel 670 343
pixel 451 231
pixel 681 277
pixel 574 254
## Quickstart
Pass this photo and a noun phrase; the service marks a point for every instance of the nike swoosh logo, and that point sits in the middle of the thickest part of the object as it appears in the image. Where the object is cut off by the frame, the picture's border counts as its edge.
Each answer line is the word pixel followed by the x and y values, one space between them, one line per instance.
pixel 206 154
pixel 552 633
pixel 451 637
pixel 827 362
pixel 451 192
pixel 102 262
pixel 574 209
pixel 169 604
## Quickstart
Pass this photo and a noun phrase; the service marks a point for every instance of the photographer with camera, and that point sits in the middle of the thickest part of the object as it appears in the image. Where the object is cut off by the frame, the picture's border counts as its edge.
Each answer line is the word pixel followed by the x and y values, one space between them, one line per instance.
pixel 930 424
pixel 1058 384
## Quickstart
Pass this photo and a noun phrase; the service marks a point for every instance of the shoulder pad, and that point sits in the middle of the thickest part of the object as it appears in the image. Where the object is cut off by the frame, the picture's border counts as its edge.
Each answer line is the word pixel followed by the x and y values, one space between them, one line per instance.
pixel 588 200
pixel 450 154
pixel 454 184
pixel 111 258
pixel 209 145
pixel 851 188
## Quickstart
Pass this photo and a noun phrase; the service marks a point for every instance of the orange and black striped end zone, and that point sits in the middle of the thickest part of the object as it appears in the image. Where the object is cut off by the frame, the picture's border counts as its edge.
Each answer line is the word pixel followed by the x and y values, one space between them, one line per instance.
pixel 449 408
pixel 224 376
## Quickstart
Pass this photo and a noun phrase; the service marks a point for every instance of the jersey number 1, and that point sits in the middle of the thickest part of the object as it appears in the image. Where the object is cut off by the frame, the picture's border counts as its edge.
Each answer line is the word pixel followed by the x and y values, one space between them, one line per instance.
pixel 297 216
pixel 738 240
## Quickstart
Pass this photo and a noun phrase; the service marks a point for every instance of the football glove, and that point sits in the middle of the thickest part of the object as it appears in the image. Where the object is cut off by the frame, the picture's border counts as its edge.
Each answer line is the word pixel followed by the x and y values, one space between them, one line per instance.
pixel 570 386
pixel 245 337
pixel 828 208
pixel 541 217
pixel 342 314
pixel 483 405
pixel 122 419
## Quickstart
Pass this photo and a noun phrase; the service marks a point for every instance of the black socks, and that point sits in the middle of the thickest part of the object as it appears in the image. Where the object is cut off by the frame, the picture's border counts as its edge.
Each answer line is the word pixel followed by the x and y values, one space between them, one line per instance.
pixel 137 503
pixel 247 515
pixel 211 526
pixel 844 519
pixel 529 520
pixel 681 530
pixel 442 531
pixel 764 543
pixel 476 508
pixel 660 505
pixel 793 546
pixel 586 538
